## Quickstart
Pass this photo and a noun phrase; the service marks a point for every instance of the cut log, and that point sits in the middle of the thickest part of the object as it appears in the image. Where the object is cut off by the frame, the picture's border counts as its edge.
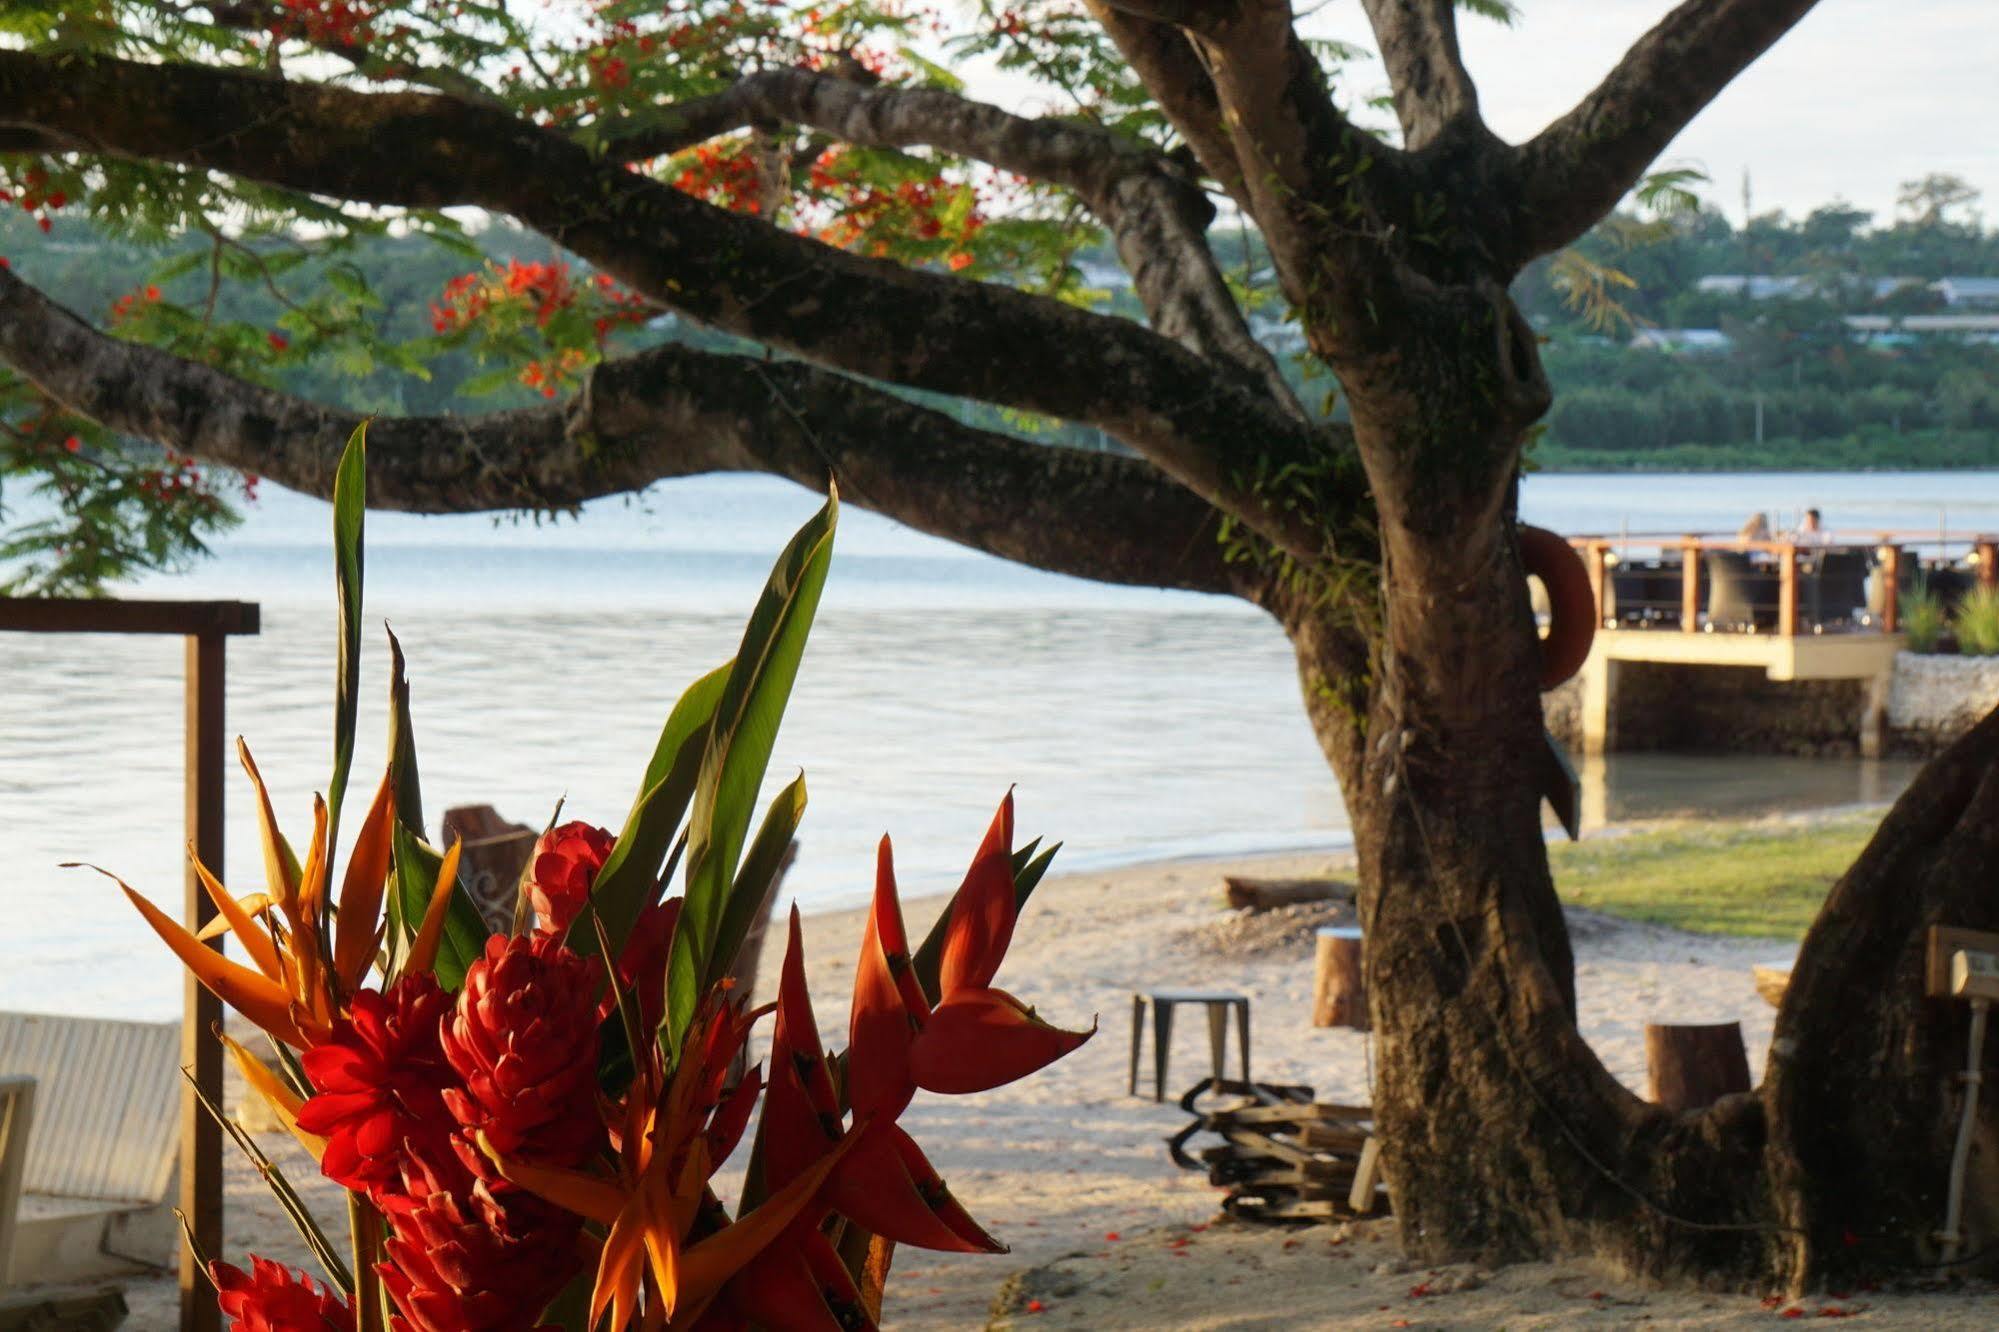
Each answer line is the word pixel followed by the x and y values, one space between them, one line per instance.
pixel 1266 894
pixel 1771 983
pixel 1339 982
pixel 1695 1065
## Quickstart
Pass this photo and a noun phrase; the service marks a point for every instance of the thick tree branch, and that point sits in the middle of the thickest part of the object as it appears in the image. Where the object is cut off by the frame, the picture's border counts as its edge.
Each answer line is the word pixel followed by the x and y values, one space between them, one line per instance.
pixel 1576 169
pixel 1418 40
pixel 1172 71
pixel 1156 213
pixel 667 412
pixel 1208 430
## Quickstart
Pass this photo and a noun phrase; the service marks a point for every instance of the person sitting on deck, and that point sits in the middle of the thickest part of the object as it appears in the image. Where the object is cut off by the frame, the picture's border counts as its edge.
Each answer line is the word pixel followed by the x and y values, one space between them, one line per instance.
pixel 1810 533
pixel 1756 529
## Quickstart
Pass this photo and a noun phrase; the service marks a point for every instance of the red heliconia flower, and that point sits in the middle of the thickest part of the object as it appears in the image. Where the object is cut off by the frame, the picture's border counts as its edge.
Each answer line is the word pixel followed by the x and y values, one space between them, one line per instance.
pixel 560 871
pixel 462 1259
pixel 523 1039
pixel 378 1085
pixel 271 1297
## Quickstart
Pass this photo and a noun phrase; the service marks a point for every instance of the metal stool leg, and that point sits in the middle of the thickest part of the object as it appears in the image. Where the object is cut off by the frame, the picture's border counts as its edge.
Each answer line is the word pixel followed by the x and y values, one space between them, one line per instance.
pixel 1218 1037
pixel 1162 1041
pixel 1137 1031
pixel 1242 1036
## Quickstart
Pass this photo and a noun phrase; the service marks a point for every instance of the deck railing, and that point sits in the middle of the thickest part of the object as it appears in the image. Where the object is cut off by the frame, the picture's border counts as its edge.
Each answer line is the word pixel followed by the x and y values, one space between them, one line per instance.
pixel 1978 552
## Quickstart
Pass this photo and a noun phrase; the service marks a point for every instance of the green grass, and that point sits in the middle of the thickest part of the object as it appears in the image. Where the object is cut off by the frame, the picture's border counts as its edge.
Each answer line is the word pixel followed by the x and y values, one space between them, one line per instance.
pixel 1714 877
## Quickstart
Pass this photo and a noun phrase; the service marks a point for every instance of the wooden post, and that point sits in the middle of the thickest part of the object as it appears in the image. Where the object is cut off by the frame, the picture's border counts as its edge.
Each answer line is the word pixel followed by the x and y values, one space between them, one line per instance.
pixel 1693 1066
pixel 1598 578
pixel 1988 562
pixel 1339 979
pixel 1891 596
pixel 200 1051
pixel 1787 590
pixel 1690 584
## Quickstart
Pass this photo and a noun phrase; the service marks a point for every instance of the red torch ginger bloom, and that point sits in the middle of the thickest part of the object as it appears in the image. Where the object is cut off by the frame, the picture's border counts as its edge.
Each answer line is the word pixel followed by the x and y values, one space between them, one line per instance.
pixel 271 1297
pixel 564 865
pixel 523 1039
pixel 463 1260
pixel 378 1083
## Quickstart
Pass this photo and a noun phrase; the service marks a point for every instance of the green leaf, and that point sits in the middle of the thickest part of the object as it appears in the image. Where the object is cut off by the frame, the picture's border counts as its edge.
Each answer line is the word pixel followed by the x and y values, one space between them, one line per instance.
pixel 738 752
pixel 402 744
pixel 350 501
pixel 626 882
pixel 762 864
pixel 417 864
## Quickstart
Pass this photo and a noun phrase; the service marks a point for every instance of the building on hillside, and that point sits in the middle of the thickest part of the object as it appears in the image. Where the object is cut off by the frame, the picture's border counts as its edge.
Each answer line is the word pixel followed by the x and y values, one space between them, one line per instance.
pixel 1755 286
pixel 1831 286
pixel 1958 292
pixel 1900 330
pixel 1683 341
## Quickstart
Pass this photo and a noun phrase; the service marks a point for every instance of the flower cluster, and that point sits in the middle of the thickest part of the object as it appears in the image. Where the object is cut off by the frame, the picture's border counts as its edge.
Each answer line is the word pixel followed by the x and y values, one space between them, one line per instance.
pixel 935 212
pixel 540 305
pixel 552 1104
pixel 334 24
pixel 36 197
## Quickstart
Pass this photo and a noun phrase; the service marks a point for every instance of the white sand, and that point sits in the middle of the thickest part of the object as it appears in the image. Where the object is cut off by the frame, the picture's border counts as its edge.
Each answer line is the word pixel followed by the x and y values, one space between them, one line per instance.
pixel 1059 1164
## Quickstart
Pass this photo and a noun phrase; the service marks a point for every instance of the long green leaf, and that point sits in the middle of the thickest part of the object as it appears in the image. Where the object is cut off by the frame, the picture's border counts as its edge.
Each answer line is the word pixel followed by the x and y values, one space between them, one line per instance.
pixel 350 502
pixel 626 882
pixel 739 750
pixel 465 931
pixel 402 743
pixel 754 881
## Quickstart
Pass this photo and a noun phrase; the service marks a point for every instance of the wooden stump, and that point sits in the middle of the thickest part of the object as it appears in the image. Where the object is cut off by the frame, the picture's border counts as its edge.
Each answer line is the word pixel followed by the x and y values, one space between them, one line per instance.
pixel 1694 1066
pixel 1339 981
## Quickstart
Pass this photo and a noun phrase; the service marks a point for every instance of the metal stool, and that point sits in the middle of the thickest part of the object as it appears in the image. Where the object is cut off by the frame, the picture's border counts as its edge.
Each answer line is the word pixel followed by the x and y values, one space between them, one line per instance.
pixel 1217 1002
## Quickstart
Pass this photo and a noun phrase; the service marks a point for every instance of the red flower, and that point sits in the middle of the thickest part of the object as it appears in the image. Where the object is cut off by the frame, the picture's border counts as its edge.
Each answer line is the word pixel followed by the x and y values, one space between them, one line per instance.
pixel 523 1039
pixel 378 1082
pixel 273 1298
pixel 564 865
pixel 464 1260
pixel 278 341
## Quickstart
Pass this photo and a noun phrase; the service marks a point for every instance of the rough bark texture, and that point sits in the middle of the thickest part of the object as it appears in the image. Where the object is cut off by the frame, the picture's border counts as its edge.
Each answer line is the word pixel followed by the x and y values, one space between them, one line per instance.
pixel 1387 554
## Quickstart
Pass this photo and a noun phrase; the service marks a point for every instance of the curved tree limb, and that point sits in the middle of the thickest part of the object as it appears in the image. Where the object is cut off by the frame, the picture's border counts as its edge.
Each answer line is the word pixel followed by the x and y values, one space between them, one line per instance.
pixel 1167 64
pixel 1157 214
pixel 1206 429
pixel 1575 170
pixel 1418 40
pixel 667 412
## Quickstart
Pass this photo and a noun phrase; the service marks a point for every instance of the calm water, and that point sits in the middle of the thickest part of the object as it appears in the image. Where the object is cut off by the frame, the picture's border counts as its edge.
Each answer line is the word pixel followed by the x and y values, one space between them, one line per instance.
pixel 1136 724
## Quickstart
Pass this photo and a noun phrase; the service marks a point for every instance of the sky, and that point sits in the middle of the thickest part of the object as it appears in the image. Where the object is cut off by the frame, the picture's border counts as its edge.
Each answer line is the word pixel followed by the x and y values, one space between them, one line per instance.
pixel 1860 96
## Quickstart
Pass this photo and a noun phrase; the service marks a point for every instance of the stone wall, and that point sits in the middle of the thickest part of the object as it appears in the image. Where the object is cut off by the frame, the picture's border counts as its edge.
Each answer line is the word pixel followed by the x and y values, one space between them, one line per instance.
pixel 1935 699
pixel 1729 709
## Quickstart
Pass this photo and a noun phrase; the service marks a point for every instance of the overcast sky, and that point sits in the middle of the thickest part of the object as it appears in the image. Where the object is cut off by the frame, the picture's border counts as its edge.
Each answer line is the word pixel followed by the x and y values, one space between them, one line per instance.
pixel 1860 96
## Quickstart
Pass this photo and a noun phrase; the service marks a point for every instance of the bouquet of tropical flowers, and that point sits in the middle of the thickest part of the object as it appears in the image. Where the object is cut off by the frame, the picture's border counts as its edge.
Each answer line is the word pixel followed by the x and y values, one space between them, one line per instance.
pixel 528 1122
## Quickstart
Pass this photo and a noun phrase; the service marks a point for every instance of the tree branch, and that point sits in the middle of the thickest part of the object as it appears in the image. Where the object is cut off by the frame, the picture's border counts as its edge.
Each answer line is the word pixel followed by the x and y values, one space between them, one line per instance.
pixel 1167 64
pixel 667 412
pixel 1418 40
pixel 1576 169
pixel 1206 429
pixel 1156 213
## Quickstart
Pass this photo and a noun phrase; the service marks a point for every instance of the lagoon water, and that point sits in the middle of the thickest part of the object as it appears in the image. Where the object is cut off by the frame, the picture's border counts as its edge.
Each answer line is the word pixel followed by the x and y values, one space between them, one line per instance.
pixel 1136 724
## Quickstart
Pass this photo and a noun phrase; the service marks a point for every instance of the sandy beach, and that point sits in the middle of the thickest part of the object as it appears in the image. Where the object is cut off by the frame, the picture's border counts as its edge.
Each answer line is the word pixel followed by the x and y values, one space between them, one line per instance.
pixel 1072 1172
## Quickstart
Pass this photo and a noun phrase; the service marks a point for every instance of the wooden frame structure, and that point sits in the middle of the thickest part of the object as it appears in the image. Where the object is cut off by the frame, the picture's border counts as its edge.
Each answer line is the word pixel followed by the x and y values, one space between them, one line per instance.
pixel 205 628
pixel 1596 555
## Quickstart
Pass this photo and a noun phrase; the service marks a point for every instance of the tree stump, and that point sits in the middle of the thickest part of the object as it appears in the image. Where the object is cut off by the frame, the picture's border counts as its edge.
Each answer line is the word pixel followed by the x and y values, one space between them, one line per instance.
pixel 1339 980
pixel 1695 1065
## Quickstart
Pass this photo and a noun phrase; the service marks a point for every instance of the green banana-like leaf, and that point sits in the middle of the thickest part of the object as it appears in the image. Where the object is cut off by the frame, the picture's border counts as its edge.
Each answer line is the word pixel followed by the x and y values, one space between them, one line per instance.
pixel 1028 869
pixel 350 503
pixel 625 883
pixel 739 749
pixel 417 864
pixel 754 880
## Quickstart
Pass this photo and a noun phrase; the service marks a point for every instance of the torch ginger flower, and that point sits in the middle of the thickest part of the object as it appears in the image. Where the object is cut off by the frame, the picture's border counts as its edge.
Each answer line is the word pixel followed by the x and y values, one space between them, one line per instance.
pixel 270 1297
pixel 561 870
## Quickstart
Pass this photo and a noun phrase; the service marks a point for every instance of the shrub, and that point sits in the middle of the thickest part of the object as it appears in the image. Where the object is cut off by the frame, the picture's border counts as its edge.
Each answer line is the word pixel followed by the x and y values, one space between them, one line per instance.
pixel 1978 623
pixel 1922 617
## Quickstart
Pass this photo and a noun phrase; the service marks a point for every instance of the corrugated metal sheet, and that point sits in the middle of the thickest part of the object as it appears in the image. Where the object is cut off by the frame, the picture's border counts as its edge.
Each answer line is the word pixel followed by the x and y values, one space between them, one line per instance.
pixel 106 1107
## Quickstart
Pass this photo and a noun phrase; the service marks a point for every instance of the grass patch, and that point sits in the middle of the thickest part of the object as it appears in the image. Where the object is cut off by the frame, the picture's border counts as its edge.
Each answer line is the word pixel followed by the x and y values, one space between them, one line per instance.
pixel 1714 877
